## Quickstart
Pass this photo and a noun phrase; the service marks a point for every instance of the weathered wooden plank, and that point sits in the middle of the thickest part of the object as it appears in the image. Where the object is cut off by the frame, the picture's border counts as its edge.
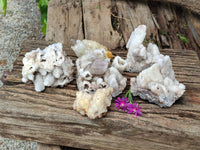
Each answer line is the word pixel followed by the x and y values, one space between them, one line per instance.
pixel 98 25
pixel 130 14
pixel 41 146
pixel 193 5
pixel 64 21
pixel 110 22
pixel 194 25
pixel 47 117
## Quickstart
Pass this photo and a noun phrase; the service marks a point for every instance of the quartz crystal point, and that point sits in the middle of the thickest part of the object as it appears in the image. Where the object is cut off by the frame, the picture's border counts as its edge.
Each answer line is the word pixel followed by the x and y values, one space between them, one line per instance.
pixel 139 57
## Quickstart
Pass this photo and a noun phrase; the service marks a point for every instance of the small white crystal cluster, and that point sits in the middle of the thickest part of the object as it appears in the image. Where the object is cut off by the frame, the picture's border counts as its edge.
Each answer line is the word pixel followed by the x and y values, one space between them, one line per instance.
pixel 93 105
pixel 157 82
pixel 94 71
pixel 48 67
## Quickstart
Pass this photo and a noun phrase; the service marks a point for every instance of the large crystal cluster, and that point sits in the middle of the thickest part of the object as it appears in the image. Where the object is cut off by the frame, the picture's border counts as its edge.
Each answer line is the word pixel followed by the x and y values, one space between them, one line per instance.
pixel 48 67
pixel 156 83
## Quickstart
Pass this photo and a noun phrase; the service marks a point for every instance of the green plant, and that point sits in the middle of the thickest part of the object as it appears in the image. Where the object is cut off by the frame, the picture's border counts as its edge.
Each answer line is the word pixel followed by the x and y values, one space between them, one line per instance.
pixel 129 96
pixel 3 4
pixel 43 6
pixel 163 32
pixel 98 7
pixel 182 38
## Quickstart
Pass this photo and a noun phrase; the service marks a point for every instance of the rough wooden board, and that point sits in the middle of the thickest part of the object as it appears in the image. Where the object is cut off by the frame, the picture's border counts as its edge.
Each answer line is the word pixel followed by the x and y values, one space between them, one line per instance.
pixel 41 146
pixel 110 22
pixel 48 117
pixel 133 14
pixel 193 5
pixel 98 25
pixel 194 25
pixel 64 21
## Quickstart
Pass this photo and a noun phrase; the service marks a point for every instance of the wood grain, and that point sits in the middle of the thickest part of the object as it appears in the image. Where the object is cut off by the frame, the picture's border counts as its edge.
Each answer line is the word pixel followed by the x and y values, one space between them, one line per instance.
pixel 98 25
pixel 110 22
pixel 133 14
pixel 41 146
pixel 193 5
pixel 64 21
pixel 47 117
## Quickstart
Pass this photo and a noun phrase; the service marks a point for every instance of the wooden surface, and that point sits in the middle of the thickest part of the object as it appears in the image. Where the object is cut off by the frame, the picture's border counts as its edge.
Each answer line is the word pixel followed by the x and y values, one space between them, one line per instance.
pixel 41 146
pixel 193 5
pixel 48 117
pixel 110 22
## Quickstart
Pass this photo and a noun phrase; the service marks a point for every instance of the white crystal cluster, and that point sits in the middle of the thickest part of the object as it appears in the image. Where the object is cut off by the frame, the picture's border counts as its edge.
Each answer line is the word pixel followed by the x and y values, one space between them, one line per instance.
pixel 48 67
pixel 93 105
pixel 157 82
pixel 94 71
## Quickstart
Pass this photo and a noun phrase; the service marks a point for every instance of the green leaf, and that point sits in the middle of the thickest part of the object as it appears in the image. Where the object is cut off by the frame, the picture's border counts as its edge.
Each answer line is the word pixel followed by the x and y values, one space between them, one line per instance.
pixel 182 38
pixel 43 3
pixel 44 27
pixel 3 4
pixel 129 96
pixel 43 6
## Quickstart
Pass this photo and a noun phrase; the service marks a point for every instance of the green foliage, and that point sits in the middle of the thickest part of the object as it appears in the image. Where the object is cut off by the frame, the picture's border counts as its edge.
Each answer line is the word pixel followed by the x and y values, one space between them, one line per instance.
pixel 182 38
pixel 98 7
pixel 129 96
pixel 146 41
pixel 43 6
pixel 163 32
pixel 3 4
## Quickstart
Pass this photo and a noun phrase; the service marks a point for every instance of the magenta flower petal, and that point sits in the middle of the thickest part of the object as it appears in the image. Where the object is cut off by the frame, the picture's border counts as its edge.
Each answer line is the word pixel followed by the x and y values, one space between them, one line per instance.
pixel 135 109
pixel 121 103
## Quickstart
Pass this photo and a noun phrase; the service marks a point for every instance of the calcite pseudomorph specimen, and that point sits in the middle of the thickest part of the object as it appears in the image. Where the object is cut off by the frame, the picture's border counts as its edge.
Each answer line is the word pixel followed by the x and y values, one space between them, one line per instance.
pixel 158 84
pixel 48 67
pixel 94 105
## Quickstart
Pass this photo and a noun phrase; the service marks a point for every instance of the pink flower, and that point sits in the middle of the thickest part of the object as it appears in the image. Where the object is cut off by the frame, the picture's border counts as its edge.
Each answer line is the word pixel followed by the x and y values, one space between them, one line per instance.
pixel 135 109
pixel 122 103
